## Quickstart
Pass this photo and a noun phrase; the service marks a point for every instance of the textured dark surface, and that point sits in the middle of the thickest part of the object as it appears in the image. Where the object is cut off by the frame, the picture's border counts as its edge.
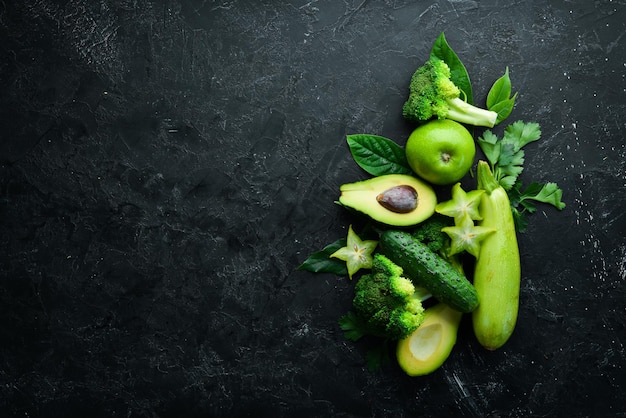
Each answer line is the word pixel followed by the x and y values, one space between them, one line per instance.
pixel 166 166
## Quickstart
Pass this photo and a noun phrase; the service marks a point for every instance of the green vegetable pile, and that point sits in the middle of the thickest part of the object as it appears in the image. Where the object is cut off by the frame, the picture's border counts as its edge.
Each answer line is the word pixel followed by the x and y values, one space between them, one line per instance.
pixel 431 252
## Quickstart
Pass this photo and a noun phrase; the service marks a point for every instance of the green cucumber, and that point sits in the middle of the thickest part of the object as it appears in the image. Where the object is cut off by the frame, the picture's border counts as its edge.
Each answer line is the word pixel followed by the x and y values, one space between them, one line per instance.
pixel 429 270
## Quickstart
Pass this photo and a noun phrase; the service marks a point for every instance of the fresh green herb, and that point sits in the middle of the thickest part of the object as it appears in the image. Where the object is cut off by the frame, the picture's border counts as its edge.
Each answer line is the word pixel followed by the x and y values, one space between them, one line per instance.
pixel 378 356
pixel 506 159
pixel 357 253
pixel 320 261
pixel 505 155
pixel 523 201
pixel 499 98
pixel 353 326
pixel 378 155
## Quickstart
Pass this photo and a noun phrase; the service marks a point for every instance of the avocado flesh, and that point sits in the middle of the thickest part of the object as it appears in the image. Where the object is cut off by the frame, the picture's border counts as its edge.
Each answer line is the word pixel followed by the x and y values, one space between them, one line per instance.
pixel 363 196
pixel 425 350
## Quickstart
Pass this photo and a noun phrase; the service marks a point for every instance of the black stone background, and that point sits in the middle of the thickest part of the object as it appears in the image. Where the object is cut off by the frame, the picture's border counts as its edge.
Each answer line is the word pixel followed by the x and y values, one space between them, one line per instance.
pixel 167 165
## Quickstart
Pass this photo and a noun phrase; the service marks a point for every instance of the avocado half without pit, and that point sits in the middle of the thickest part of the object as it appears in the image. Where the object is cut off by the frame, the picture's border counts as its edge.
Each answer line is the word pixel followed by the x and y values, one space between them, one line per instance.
pixel 392 199
pixel 426 349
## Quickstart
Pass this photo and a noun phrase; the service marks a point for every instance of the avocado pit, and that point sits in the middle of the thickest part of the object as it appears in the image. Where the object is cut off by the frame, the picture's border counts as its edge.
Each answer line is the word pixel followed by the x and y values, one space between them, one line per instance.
pixel 399 199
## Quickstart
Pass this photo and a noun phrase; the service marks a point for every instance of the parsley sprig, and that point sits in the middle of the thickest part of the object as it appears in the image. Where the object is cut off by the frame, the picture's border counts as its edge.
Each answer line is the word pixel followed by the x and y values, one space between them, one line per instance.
pixel 506 159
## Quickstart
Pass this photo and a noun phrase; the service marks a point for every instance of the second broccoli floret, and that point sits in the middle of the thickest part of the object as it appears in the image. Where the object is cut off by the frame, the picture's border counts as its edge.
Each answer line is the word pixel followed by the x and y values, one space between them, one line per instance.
pixel 433 94
pixel 429 233
pixel 386 301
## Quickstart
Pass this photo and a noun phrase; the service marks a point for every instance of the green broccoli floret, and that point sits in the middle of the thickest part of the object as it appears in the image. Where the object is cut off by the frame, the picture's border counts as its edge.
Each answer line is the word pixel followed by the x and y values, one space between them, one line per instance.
pixel 385 304
pixel 433 94
pixel 429 233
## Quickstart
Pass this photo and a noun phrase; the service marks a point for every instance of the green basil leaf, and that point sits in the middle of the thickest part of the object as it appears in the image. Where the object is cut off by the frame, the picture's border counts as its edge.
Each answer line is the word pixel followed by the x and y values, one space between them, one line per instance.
pixel 503 108
pixel 500 91
pixel 320 261
pixel 499 98
pixel 458 73
pixel 378 155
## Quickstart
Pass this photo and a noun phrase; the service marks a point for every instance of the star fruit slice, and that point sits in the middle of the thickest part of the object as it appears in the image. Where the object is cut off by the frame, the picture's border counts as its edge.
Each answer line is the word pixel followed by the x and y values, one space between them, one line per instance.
pixel 465 236
pixel 461 205
pixel 357 253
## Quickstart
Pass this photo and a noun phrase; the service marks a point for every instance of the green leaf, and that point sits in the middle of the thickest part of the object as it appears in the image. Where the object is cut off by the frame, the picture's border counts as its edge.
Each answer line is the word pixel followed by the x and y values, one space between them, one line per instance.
pixel 507 159
pixel 353 326
pixel 509 155
pixel 509 166
pixel 378 155
pixel 517 193
pixel 500 91
pixel 507 182
pixel 503 108
pixel 511 171
pixel 549 193
pixel 489 137
pixel 378 356
pixel 490 146
pixel 520 133
pixel 515 165
pixel 519 219
pixel 499 98
pixel 458 73
pixel 320 261
pixel 528 206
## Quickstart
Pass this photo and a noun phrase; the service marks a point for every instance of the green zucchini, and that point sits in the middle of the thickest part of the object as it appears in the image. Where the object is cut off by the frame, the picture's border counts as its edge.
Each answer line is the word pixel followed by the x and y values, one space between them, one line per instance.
pixel 429 270
pixel 497 272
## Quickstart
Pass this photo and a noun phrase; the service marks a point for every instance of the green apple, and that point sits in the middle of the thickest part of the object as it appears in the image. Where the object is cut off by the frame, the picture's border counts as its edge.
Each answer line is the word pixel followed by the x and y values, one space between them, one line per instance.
pixel 440 151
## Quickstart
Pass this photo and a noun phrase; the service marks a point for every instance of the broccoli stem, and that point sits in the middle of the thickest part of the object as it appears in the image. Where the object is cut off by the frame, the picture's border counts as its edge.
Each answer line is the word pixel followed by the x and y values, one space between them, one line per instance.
pixel 464 112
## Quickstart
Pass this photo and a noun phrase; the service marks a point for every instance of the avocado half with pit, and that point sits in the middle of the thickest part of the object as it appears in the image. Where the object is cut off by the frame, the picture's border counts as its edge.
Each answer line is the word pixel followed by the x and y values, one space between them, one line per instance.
pixel 392 199
pixel 428 347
